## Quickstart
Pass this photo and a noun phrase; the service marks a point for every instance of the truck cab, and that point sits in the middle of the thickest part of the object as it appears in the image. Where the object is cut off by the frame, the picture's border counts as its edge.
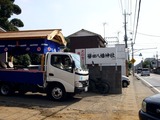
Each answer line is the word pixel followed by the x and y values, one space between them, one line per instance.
pixel 65 75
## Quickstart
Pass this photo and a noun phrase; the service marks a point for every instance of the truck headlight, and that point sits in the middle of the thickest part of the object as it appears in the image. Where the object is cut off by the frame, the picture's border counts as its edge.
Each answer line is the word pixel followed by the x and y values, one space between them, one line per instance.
pixel 78 84
pixel 144 106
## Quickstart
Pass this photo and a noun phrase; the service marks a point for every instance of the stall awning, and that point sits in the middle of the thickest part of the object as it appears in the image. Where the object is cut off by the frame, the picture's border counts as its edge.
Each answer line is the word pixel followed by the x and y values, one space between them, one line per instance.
pixel 37 41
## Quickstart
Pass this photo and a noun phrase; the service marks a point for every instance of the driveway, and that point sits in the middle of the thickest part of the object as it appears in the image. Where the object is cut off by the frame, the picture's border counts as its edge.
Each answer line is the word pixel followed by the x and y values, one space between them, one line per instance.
pixel 87 106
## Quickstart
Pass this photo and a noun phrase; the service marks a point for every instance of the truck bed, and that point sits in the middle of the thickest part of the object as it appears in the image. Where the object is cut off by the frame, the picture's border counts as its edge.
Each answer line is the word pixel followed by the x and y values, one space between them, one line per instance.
pixel 22 76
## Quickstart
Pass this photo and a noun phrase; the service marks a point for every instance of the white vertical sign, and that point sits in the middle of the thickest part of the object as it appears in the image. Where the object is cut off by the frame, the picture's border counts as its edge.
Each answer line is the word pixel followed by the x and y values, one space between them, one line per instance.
pixel 82 54
pixel 101 55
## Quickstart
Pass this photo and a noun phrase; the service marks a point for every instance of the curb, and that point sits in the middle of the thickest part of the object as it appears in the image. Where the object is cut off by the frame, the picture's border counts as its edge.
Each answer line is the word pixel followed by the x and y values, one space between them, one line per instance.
pixel 155 90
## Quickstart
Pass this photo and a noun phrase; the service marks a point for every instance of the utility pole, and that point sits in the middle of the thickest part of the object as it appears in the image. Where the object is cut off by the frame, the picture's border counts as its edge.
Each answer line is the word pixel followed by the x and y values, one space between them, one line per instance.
pixel 157 59
pixel 132 59
pixel 125 40
pixel 125 30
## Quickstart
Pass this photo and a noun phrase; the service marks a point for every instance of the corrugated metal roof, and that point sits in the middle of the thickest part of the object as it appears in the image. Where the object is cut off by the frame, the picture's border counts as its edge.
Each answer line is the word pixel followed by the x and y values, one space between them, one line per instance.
pixel 34 34
pixel 83 32
pixel 25 34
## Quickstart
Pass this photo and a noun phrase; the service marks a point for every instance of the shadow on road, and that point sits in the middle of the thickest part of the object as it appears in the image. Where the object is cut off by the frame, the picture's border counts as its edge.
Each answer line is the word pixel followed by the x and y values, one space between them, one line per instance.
pixel 32 100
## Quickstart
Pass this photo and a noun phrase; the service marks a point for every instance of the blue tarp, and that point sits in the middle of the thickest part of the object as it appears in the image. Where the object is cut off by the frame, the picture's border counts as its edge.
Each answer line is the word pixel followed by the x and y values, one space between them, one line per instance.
pixel 22 76
pixel 34 46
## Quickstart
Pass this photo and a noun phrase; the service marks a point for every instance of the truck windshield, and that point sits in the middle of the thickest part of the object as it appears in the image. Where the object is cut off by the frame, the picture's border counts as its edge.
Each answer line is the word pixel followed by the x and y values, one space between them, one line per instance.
pixel 77 61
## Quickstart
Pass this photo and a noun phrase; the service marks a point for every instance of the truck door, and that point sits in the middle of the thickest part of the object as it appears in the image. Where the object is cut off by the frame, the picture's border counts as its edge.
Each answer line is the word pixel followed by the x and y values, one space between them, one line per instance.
pixel 59 68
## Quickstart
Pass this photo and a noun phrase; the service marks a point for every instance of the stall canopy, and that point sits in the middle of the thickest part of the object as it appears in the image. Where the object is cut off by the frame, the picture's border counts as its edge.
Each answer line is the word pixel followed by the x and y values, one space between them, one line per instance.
pixel 35 41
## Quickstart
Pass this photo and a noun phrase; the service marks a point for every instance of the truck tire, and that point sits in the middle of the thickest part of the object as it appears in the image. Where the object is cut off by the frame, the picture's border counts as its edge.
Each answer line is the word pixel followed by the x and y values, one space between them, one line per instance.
pixel 5 89
pixel 56 93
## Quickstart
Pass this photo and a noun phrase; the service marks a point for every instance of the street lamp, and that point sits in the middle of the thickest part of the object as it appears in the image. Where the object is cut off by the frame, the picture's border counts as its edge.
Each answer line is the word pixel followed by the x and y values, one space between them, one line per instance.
pixel 141 60
pixel 140 54
pixel 104 29
pixel 157 59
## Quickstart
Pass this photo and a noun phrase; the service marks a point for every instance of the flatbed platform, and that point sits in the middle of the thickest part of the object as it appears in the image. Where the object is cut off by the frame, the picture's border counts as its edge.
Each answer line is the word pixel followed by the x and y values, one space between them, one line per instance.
pixel 22 76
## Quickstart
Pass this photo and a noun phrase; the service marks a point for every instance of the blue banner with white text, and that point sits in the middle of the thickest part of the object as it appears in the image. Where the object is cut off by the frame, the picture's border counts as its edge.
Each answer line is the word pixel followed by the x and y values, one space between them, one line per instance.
pixel 31 45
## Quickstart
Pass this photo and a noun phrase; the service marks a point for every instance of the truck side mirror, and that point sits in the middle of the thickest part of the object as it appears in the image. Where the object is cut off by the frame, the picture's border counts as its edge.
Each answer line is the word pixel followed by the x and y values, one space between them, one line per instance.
pixel 93 63
pixel 73 64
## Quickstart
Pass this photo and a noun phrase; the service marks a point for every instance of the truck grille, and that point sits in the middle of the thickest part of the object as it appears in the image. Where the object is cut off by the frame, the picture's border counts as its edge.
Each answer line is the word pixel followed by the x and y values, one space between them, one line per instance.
pixel 85 83
pixel 153 109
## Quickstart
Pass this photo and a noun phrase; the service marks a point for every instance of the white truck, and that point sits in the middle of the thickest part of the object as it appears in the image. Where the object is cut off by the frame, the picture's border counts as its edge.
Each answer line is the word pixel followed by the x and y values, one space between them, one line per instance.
pixel 57 81
pixel 51 77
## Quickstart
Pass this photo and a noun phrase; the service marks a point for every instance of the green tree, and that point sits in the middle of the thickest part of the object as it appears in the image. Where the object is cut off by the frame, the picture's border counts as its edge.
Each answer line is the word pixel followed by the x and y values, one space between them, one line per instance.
pixel 35 58
pixel 7 9
pixel 129 65
pixel 146 64
pixel 23 60
pixel 67 49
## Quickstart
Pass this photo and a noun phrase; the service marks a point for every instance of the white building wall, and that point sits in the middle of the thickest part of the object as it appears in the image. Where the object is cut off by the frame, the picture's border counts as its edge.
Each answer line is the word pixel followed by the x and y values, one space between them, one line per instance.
pixel 121 57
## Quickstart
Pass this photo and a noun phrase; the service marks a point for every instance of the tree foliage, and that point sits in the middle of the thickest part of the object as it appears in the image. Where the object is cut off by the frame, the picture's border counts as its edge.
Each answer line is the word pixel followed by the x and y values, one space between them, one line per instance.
pixel 35 59
pixel 23 60
pixel 129 65
pixel 67 49
pixel 7 9
pixel 146 64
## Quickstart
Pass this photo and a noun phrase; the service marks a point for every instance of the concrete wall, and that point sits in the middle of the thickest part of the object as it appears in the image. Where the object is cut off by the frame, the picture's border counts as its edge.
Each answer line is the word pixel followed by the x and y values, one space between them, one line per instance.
pixel 110 74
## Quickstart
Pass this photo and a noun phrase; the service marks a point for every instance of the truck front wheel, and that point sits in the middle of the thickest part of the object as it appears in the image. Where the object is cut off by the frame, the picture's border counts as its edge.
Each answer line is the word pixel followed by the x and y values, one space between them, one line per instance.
pixel 57 93
pixel 5 89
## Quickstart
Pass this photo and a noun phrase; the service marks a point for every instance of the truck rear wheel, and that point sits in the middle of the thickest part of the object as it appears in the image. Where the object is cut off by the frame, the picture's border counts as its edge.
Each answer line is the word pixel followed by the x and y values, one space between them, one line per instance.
pixel 57 93
pixel 5 89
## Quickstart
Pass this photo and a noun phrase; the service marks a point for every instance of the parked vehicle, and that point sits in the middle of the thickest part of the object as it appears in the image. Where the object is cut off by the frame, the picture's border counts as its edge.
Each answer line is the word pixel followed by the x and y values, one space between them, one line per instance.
pixel 125 81
pixel 59 75
pixel 56 81
pixel 139 70
pixel 150 108
pixel 145 72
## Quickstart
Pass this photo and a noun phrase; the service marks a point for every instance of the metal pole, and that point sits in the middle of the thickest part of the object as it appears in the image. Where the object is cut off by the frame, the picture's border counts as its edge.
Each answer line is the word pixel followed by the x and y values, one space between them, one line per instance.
pixel 125 30
pixel 125 39
pixel 104 29
pixel 132 59
pixel 157 59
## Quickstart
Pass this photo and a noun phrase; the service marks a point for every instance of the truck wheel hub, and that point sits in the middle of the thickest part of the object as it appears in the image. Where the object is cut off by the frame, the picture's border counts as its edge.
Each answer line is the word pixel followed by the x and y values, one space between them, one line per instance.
pixel 57 93
pixel 4 90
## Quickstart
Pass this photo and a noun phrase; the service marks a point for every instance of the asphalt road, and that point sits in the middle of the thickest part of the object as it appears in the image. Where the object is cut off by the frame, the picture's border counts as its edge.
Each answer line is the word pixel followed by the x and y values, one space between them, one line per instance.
pixel 151 81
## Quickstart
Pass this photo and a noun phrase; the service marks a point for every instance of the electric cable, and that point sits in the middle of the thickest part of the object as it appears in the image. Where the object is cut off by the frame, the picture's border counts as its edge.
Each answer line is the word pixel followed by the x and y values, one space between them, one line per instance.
pixel 137 20
pixel 121 6
pixel 134 22
pixel 148 35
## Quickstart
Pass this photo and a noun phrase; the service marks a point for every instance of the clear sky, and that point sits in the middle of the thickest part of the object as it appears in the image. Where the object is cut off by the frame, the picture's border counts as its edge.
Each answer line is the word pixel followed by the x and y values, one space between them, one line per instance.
pixel 74 15
pixel 148 36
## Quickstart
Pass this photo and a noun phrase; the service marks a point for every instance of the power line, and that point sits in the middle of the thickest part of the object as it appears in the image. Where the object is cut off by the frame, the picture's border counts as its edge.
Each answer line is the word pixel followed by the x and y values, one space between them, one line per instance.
pixel 121 6
pixel 126 6
pixel 137 20
pixel 148 35
pixel 130 13
pixel 134 22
